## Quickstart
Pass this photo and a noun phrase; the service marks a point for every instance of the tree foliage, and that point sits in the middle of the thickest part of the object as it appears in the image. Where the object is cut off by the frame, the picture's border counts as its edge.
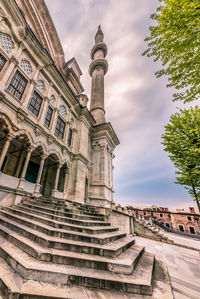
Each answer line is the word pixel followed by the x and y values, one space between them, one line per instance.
pixel 175 40
pixel 182 141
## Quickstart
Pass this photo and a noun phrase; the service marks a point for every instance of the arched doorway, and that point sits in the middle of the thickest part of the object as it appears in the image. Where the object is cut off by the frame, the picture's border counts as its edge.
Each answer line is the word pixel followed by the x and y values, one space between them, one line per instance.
pixel 49 174
pixel 34 165
pixel 15 156
pixel 62 178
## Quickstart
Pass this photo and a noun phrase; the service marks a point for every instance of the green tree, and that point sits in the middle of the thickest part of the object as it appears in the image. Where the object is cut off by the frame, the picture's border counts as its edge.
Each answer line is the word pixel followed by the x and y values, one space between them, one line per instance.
pixel 182 141
pixel 175 40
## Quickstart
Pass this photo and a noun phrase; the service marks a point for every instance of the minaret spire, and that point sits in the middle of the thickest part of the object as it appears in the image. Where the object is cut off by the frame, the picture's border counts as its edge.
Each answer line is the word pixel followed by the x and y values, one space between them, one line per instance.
pixel 97 70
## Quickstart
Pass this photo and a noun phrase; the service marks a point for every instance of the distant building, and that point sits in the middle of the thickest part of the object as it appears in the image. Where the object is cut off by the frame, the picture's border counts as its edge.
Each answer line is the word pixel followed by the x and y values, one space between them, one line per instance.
pixel 185 222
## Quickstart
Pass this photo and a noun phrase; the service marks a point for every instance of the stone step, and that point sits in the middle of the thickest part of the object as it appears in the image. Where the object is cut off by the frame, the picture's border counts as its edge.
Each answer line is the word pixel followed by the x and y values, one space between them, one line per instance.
pixel 32 214
pixel 139 282
pixel 10 282
pixel 62 233
pixel 74 203
pixel 64 208
pixel 124 263
pixel 59 212
pixel 32 289
pixel 54 215
pixel 112 249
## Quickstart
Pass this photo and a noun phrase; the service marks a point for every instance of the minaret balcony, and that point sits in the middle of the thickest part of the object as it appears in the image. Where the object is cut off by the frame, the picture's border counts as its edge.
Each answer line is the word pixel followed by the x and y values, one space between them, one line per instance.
pixel 97 47
pixel 102 63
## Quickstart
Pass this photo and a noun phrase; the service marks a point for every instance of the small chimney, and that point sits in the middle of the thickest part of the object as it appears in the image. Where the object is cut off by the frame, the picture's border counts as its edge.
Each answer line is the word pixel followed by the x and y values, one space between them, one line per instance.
pixel 192 210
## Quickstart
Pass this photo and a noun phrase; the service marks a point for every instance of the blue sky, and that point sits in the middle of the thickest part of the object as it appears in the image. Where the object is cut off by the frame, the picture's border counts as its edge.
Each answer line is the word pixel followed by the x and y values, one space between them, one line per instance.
pixel 137 104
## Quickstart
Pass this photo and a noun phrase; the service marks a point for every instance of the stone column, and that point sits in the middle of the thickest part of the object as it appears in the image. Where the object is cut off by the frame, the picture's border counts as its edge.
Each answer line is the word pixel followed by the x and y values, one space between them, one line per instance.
pixel 65 183
pixel 19 164
pixel 37 185
pixel 54 121
pixel 4 150
pixel 55 189
pixel 23 174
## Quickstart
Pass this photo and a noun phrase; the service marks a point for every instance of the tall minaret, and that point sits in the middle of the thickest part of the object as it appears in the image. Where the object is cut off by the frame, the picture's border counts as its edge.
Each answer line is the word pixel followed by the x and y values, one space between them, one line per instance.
pixel 97 70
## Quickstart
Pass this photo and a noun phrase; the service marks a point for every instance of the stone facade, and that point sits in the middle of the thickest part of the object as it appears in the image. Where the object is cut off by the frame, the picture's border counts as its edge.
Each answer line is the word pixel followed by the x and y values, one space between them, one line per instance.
pixel 50 143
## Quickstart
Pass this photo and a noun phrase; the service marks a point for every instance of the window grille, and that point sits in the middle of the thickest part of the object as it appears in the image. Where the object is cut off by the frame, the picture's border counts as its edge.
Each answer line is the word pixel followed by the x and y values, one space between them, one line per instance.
pixel 48 116
pixel 69 139
pixel 25 65
pixel 2 61
pixel 17 85
pixel 62 111
pixel 60 128
pixel 6 42
pixel 41 86
pixel 52 99
pixel 35 103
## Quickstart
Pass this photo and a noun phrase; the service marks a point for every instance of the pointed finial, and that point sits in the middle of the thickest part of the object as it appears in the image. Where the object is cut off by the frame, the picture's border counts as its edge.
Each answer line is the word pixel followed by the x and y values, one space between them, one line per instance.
pixel 99 35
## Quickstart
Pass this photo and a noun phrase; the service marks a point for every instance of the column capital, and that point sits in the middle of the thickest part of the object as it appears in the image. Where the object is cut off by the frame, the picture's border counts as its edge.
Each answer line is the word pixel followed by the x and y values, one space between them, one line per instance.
pixel 43 157
pixel 59 165
pixel 9 137
pixel 30 149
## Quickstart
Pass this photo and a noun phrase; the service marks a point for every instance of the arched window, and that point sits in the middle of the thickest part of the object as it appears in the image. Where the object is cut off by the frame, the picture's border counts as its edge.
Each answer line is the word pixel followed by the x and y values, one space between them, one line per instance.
pixel 6 42
pixel 62 111
pixel 25 65
pixel 52 99
pixel 41 86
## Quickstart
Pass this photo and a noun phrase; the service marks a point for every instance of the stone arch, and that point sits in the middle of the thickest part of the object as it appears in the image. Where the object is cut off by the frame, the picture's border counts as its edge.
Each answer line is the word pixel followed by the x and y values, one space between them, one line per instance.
pixel 42 146
pixel 55 153
pixel 9 124
pixel 16 154
pixel 26 134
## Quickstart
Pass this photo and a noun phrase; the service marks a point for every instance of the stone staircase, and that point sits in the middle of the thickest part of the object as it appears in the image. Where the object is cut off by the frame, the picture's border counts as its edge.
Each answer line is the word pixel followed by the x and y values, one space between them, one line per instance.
pixel 50 249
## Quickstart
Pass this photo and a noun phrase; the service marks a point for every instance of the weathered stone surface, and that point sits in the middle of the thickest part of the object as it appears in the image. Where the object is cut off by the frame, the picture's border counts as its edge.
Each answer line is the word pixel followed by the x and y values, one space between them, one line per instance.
pixel 35 255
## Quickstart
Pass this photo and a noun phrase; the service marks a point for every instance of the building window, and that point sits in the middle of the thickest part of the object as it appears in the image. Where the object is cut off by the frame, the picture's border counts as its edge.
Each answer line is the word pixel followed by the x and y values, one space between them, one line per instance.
pixel 2 61
pixel 60 128
pixel 161 215
pixel 35 103
pixel 181 228
pixel 6 42
pixel 167 224
pixel 69 139
pixel 25 65
pixel 41 86
pixel 52 99
pixel 63 111
pixel 192 231
pixel 48 116
pixel 189 218
pixel 17 85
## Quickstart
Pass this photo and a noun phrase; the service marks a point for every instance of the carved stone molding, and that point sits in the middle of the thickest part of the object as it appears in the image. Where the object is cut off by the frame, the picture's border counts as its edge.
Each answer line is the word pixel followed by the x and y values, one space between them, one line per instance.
pixel 38 131
pixel 21 115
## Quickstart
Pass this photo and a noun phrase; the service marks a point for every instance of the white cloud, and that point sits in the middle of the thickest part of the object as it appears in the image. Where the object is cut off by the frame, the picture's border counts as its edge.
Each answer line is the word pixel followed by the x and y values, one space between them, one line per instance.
pixel 137 104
